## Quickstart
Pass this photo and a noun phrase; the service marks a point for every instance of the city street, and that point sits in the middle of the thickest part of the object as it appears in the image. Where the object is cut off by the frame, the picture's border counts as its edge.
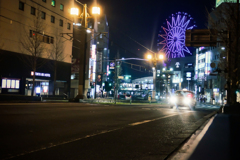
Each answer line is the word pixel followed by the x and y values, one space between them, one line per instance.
pixel 92 131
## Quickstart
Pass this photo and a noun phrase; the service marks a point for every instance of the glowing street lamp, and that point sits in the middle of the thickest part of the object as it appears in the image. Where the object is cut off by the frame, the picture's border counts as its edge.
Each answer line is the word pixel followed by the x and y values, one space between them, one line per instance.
pixel 149 56
pixel 74 11
pixel 161 57
pixel 96 10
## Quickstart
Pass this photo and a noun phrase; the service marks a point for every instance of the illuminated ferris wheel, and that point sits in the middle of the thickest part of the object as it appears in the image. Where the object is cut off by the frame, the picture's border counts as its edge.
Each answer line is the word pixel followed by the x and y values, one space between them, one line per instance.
pixel 174 37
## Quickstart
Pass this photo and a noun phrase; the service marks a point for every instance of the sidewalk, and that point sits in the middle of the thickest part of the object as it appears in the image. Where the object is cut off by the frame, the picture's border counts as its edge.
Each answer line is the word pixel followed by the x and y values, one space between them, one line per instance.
pixel 218 140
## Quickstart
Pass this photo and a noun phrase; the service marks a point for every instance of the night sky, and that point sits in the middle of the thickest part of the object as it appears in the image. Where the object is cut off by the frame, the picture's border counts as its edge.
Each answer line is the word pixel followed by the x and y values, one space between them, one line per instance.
pixel 142 20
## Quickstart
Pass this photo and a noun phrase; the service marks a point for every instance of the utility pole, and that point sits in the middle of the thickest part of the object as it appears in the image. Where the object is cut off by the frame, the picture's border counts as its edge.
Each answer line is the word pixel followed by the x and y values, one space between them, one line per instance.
pixel 115 80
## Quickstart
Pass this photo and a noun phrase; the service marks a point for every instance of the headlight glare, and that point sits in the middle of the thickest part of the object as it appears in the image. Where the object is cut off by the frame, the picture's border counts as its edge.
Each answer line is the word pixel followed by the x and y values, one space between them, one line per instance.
pixel 173 99
pixel 186 101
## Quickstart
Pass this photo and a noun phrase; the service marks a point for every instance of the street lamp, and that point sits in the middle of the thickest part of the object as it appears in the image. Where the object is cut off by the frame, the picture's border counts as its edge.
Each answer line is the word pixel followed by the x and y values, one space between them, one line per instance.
pixel 83 55
pixel 154 60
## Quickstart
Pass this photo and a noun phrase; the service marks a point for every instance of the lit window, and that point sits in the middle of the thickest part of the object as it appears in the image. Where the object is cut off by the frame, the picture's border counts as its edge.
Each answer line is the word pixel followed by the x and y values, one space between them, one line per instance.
pixel 43 15
pixel 21 5
pixel 53 3
pixel 61 22
pixel 13 83
pixel 61 7
pixel 33 11
pixel 8 83
pixel 69 26
pixel 52 19
pixel 4 83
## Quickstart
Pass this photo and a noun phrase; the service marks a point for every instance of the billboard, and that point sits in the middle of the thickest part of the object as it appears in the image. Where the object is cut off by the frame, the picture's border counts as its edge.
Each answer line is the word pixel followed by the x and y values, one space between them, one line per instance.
pixel 176 77
pixel 99 79
pixel 218 2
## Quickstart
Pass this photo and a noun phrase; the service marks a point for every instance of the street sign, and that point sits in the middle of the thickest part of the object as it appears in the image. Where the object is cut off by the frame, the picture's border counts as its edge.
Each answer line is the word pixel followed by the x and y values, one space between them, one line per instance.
pixel 201 37
pixel 120 77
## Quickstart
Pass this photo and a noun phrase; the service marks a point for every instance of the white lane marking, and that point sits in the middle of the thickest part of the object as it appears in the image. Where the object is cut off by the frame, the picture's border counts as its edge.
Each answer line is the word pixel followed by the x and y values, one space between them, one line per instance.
pixel 91 135
pixel 146 121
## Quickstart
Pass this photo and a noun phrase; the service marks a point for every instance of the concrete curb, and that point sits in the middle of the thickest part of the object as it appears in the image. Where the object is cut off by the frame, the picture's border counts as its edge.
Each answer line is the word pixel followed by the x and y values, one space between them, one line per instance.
pixel 203 121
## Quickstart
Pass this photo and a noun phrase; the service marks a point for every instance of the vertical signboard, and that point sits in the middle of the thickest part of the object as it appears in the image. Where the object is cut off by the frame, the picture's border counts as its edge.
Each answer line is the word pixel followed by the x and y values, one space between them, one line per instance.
pixel 99 62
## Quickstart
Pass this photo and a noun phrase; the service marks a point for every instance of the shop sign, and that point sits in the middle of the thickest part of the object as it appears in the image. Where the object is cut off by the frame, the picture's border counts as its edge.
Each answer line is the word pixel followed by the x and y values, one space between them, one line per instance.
pixel 112 64
pixel 177 64
pixel 41 74
pixel 215 89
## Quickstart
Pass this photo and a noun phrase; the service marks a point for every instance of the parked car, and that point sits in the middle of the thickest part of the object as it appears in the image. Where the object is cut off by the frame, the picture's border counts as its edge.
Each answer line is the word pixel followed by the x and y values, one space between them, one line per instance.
pixel 121 96
pixel 183 98
pixel 128 96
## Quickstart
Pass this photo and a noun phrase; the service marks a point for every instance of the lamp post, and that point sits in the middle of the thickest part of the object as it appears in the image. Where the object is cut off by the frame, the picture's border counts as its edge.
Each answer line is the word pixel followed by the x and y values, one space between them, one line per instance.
pixel 154 58
pixel 83 55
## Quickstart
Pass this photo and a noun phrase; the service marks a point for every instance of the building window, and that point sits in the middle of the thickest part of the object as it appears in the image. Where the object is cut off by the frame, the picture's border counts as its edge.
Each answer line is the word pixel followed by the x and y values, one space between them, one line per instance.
pixel 51 40
pixel 41 38
pixel 10 83
pixel 33 11
pixel 44 1
pixel 61 7
pixel 52 19
pixel 69 26
pixel 53 3
pixel 60 22
pixel 43 15
pixel 21 5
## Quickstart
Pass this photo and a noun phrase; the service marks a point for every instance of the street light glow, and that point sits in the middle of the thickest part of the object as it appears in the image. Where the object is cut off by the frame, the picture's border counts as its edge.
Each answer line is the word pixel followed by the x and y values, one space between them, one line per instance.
pixel 171 69
pixel 96 10
pixel 161 56
pixel 89 30
pixel 164 69
pixel 149 56
pixel 74 11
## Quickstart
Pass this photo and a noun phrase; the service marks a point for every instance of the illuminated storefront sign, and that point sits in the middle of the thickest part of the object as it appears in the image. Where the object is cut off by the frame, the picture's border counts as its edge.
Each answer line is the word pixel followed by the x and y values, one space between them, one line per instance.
pixel 93 52
pixel 176 77
pixel 218 2
pixel 112 64
pixel 10 83
pixel 41 74
pixel 177 64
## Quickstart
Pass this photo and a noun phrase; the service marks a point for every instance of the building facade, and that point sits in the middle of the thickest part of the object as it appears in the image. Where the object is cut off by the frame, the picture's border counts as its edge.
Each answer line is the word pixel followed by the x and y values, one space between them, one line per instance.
pixel 21 23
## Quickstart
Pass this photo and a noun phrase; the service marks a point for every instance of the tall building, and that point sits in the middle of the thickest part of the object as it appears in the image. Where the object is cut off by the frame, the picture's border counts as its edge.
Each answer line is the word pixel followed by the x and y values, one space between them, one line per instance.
pixel 32 30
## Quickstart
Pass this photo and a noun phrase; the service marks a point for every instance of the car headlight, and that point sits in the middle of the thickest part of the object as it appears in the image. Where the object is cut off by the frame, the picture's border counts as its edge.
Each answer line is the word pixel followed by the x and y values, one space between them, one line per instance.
pixel 173 99
pixel 186 101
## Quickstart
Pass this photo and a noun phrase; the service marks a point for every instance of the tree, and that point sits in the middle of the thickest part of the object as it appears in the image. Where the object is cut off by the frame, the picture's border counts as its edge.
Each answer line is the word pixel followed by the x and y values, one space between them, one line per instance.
pixel 225 19
pixel 56 54
pixel 33 45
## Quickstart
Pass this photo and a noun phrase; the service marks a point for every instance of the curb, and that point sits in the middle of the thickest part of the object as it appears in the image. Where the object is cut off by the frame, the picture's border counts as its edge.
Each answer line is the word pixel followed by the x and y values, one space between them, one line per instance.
pixel 206 120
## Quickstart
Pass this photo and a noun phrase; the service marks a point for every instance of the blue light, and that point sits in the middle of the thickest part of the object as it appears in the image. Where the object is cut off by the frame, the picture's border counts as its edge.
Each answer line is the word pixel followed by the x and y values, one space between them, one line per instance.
pixel 174 36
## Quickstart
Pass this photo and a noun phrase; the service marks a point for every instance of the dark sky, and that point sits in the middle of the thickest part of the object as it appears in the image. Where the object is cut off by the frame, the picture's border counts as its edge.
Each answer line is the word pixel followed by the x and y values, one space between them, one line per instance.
pixel 142 20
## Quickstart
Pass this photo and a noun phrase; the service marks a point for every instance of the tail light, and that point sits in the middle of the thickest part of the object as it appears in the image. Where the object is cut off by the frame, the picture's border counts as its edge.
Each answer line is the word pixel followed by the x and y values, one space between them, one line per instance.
pixel 189 95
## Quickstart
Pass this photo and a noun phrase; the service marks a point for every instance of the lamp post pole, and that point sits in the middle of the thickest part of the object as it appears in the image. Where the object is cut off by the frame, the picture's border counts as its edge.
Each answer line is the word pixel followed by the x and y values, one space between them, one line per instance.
pixel 83 56
pixel 154 76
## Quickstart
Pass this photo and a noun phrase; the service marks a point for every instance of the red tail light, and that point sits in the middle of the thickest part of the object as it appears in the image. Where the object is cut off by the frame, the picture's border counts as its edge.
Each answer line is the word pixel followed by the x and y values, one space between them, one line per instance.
pixel 189 95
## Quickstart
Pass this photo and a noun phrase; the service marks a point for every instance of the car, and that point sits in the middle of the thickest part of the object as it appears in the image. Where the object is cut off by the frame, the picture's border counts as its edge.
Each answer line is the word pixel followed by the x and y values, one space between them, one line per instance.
pixel 121 96
pixel 128 97
pixel 183 98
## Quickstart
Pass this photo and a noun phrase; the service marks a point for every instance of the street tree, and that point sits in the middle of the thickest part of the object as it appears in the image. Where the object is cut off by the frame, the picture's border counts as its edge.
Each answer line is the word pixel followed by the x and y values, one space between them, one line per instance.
pixel 56 54
pixel 225 19
pixel 32 45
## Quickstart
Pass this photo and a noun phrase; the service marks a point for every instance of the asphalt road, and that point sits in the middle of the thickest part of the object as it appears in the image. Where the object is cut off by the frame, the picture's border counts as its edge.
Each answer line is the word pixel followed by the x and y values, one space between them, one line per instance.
pixel 91 131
